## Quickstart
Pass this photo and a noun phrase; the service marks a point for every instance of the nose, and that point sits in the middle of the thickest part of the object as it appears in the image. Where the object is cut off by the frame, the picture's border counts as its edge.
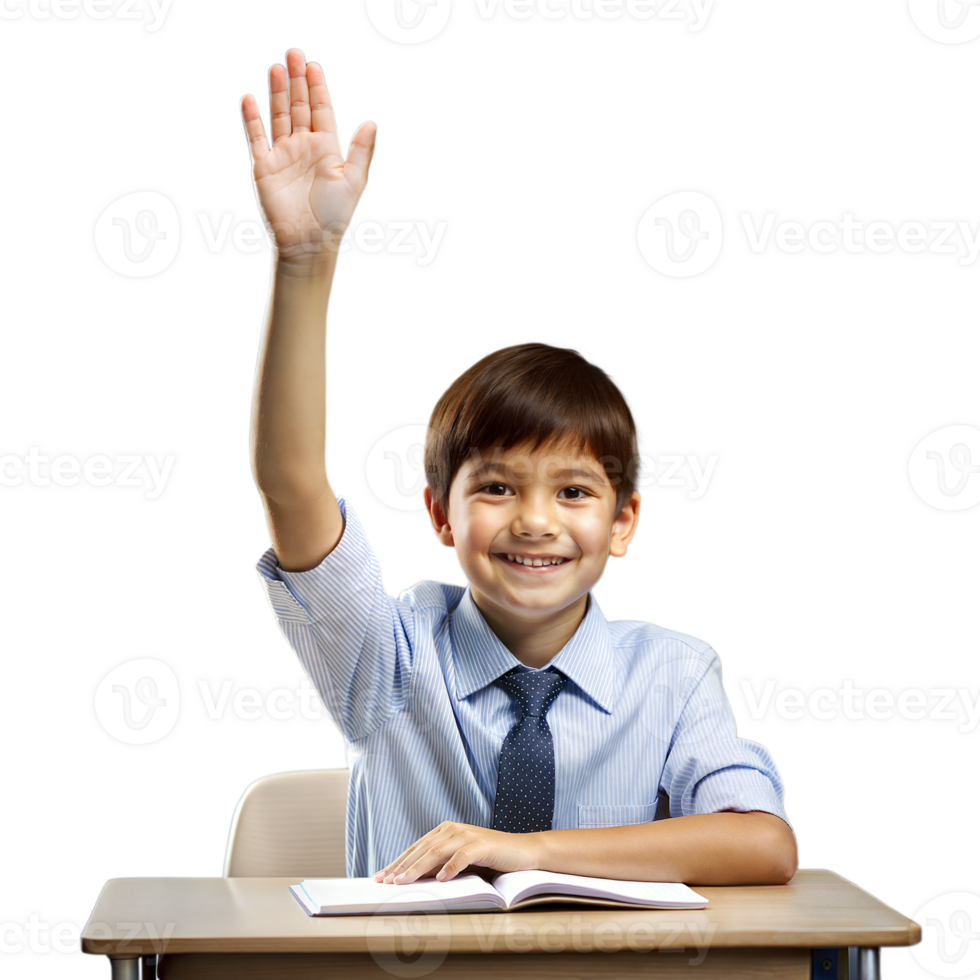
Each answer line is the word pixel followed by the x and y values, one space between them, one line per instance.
pixel 535 518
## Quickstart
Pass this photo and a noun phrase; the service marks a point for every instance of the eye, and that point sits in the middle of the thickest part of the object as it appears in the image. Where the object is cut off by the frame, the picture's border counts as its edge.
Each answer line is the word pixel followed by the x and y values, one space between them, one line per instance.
pixel 572 493
pixel 496 489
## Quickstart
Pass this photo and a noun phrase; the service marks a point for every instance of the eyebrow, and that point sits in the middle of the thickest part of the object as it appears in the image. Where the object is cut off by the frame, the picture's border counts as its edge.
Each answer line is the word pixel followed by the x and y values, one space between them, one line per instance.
pixel 486 469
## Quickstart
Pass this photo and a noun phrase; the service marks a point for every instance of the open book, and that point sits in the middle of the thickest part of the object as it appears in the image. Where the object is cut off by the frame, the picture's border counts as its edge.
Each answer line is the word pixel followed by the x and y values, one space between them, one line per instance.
pixel 469 892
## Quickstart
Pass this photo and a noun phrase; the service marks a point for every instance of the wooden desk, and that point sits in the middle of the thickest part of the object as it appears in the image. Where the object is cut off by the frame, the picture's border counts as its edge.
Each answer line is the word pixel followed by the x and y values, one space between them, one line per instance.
pixel 251 928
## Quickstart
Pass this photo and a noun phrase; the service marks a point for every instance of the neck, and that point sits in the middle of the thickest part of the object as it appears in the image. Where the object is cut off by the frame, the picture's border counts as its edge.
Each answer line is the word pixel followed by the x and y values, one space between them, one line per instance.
pixel 533 642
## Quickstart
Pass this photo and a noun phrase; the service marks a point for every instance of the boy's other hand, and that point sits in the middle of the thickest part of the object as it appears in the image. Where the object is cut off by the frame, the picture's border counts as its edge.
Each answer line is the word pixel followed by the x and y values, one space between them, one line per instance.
pixel 306 189
pixel 452 847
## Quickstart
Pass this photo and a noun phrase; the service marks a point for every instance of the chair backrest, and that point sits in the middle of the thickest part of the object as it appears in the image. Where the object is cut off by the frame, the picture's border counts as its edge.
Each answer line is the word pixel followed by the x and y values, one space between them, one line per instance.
pixel 290 825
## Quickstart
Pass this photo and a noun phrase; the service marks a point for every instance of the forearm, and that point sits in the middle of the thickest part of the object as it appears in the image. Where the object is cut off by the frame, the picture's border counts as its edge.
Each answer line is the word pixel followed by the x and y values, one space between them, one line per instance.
pixel 288 423
pixel 708 849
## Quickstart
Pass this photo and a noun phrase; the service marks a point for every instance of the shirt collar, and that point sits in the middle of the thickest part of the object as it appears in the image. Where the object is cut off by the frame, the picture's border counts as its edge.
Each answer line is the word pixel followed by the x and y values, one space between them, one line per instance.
pixel 480 658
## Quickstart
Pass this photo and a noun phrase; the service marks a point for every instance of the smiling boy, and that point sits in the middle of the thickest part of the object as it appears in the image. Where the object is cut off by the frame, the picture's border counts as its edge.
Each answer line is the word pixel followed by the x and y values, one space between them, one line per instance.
pixel 507 724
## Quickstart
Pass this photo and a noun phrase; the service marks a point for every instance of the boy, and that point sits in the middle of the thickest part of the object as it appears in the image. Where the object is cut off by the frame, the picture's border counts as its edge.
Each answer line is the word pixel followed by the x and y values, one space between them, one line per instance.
pixel 506 725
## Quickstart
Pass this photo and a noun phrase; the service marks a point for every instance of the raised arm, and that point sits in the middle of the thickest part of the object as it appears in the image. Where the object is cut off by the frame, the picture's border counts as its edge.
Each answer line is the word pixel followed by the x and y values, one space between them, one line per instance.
pixel 307 193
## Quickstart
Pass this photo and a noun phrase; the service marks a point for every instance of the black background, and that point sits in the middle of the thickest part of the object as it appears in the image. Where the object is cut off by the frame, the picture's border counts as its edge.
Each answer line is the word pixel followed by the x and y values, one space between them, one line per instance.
pixel 809 560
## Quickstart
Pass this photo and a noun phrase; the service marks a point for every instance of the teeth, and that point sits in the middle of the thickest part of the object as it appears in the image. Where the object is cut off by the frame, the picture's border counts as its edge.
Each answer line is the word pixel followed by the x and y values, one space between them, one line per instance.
pixel 535 562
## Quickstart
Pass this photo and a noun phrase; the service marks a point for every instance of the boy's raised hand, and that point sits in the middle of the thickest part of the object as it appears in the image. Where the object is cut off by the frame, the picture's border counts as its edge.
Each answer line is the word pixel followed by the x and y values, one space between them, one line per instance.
pixel 307 190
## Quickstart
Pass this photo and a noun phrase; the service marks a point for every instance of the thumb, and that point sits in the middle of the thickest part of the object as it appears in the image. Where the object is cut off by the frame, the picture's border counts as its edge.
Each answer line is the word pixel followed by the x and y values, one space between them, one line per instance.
pixel 361 152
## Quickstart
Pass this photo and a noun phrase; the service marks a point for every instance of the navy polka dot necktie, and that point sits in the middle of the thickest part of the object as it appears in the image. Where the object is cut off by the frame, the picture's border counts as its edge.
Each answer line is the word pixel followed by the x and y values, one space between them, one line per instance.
pixel 525 800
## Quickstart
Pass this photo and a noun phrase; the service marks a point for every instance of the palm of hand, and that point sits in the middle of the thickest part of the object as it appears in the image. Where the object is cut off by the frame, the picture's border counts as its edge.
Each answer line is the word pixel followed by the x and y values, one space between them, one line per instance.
pixel 303 190
pixel 307 191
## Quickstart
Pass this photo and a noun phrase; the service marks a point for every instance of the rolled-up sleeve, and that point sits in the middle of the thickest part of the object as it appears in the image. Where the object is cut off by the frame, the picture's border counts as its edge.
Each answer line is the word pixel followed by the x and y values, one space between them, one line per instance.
pixel 354 641
pixel 709 768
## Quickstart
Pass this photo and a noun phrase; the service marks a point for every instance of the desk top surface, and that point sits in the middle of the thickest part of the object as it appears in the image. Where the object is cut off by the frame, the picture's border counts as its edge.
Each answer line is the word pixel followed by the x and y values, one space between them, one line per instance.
pixel 237 915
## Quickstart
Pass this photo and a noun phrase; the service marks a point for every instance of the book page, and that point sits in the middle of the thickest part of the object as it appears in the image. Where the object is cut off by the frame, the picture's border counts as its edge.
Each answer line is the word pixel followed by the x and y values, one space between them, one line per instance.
pixel 516 886
pixel 352 896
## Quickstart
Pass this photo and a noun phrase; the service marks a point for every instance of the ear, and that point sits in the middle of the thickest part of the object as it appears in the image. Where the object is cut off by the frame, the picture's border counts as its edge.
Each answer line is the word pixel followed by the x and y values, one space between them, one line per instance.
pixel 624 526
pixel 439 518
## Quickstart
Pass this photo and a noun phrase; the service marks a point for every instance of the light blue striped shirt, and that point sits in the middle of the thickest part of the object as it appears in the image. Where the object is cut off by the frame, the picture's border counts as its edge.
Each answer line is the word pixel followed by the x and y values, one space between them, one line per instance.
pixel 642 729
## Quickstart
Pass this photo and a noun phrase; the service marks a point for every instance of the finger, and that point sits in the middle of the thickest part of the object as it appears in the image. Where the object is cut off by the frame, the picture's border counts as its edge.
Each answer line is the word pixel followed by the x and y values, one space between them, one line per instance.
pixel 404 859
pixel 433 857
pixel 415 871
pixel 359 155
pixel 400 867
pixel 444 832
pixel 387 869
pixel 279 103
pixel 254 130
pixel 415 860
pixel 461 860
pixel 321 109
pixel 299 91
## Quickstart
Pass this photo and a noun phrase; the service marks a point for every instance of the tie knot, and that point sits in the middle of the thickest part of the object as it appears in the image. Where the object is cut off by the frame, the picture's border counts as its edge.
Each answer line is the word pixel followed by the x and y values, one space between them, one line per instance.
pixel 533 692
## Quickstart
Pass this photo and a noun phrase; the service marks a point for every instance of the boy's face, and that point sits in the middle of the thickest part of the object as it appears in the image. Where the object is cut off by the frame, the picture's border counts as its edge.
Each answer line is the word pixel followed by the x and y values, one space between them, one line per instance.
pixel 533 530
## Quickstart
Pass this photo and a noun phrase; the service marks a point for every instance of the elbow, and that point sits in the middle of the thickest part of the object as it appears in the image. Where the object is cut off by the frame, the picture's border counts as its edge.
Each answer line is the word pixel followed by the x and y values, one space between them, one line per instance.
pixel 784 856
pixel 785 870
pixel 774 857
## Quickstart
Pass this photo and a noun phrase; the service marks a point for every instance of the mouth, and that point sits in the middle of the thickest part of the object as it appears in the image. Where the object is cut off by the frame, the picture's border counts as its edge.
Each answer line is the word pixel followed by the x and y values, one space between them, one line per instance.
pixel 533 563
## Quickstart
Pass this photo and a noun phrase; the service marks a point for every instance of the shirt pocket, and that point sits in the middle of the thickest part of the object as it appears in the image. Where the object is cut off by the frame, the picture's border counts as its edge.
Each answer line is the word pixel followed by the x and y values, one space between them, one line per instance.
pixel 616 816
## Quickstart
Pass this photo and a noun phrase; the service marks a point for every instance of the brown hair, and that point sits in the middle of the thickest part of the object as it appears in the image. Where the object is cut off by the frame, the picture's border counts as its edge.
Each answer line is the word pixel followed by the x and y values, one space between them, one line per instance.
pixel 531 394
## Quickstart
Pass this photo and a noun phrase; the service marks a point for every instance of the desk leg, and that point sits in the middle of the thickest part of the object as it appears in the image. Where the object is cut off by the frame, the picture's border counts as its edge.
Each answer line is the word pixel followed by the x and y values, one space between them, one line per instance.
pixel 868 963
pixel 125 967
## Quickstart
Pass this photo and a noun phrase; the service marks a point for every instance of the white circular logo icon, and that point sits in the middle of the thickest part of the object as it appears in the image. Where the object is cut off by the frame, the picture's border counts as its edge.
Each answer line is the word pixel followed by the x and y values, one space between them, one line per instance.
pixel 409 944
pixel 947 21
pixel 138 702
pixel 950 944
pixel 662 706
pixel 138 234
pixel 408 21
pixel 944 468
pixel 395 468
pixel 680 235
